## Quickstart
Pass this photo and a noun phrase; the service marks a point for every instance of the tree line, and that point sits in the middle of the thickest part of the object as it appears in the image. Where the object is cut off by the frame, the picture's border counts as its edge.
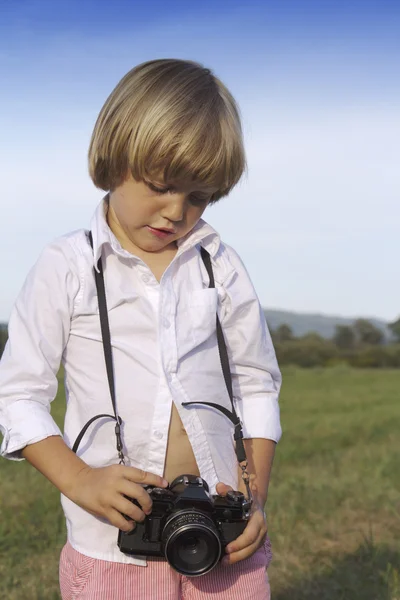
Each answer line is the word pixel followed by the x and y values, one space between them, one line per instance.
pixel 360 345
pixel 3 337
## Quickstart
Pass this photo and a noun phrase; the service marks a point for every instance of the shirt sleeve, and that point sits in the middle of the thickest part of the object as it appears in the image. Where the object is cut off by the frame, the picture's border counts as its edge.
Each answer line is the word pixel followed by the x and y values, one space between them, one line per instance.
pixel 256 377
pixel 37 334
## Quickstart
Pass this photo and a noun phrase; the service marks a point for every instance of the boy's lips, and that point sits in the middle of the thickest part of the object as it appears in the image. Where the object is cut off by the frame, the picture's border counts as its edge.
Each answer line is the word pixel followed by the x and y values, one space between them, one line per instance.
pixel 161 232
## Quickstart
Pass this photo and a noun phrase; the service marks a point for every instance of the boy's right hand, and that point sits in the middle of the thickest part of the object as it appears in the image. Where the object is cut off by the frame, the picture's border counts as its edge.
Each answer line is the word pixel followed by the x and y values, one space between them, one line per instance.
pixel 101 491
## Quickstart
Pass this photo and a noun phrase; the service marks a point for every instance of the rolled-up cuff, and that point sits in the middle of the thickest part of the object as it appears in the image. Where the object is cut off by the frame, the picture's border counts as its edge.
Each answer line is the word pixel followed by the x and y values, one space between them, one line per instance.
pixel 260 416
pixel 24 423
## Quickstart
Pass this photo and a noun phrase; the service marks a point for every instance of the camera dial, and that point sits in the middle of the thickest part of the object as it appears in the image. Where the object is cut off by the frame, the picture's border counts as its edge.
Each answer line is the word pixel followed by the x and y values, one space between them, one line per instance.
pixel 157 491
pixel 236 497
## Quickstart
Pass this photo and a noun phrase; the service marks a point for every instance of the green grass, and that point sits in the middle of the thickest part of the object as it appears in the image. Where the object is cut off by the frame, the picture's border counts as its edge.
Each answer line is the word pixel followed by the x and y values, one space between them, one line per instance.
pixel 32 528
pixel 334 504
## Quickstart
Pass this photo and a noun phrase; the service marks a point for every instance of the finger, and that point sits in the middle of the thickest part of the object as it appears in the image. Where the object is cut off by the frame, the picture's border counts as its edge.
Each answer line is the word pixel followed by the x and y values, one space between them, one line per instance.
pixel 144 477
pixel 138 493
pixel 125 507
pixel 222 489
pixel 256 527
pixel 231 559
pixel 116 519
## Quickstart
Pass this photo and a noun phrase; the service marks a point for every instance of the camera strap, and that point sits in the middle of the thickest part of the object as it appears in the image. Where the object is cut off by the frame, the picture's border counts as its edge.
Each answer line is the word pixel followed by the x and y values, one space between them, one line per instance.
pixel 223 354
pixel 232 415
pixel 106 339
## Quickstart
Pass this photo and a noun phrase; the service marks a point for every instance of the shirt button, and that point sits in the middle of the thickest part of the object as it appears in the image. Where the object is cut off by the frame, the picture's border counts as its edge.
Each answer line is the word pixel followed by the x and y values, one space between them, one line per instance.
pixel 166 323
pixel 159 435
pixel 145 278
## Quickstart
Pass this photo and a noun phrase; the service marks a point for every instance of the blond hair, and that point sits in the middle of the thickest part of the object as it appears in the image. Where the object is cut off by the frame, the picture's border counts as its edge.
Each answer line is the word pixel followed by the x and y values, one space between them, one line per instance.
pixel 172 118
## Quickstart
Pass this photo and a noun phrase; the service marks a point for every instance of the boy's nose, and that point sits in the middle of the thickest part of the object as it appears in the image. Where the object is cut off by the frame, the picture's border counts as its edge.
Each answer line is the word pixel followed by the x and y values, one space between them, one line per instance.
pixel 174 209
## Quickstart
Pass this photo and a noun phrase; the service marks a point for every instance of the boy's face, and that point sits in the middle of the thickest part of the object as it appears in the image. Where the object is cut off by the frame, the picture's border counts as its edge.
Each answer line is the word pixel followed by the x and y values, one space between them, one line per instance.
pixel 154 215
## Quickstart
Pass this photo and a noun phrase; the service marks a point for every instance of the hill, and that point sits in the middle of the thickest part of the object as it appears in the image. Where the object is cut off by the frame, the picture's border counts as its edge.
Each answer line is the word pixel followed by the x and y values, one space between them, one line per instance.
pixel 324 325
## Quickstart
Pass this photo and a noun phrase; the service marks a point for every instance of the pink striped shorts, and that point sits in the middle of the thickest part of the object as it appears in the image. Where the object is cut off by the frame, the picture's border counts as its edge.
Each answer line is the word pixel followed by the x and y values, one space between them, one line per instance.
pixel 85 578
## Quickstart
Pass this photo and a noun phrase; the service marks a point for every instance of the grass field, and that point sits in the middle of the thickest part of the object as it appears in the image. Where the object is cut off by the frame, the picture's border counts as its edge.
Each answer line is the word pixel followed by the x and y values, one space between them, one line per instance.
pixel 334 505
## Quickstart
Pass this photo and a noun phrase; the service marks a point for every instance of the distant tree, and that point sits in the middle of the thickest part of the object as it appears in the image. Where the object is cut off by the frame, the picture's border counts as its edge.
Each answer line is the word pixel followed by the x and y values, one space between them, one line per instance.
pixel 3 337
pixel 395 329
pixel 308 351
pixel 344 337
pixel 374 357
pixel 367 333
pixel 283 333
pixel 313 337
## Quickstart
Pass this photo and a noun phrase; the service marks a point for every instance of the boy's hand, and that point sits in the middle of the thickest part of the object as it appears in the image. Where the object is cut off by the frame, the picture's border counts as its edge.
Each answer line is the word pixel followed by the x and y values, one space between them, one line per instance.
pixel 101 491
pixel 253 536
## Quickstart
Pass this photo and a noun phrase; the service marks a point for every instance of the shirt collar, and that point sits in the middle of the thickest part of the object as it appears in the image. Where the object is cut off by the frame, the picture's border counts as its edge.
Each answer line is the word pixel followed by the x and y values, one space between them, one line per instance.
pixel 202 234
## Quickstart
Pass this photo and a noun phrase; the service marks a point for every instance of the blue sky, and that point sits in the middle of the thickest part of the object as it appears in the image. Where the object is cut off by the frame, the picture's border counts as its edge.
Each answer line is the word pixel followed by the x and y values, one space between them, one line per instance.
pixel 316 220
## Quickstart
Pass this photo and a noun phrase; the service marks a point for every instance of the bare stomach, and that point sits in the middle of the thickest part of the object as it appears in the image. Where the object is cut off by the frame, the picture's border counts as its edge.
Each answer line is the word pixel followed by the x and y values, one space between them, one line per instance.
pixel 179 459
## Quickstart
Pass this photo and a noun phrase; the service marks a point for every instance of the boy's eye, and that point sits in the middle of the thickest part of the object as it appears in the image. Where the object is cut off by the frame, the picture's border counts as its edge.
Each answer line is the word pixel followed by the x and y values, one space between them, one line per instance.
pixel 195 199
pixel 198 200
pixel 158 190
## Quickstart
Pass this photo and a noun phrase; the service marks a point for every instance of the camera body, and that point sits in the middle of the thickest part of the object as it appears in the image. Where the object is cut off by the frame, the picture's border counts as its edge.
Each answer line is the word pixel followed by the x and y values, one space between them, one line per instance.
pixel 188 526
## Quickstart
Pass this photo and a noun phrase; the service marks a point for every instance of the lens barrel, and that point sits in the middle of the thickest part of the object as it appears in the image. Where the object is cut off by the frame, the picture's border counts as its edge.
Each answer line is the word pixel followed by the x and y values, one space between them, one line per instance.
pixel 191 542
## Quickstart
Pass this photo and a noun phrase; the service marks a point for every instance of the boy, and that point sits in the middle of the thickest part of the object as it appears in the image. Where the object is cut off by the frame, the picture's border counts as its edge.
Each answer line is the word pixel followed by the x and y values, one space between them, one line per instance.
pixel 167 143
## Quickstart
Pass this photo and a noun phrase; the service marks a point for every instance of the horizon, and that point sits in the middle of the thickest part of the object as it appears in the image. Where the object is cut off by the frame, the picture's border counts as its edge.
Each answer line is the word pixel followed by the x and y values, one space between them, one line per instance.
pixel 307 314
pixel 315 220
pixel 328 316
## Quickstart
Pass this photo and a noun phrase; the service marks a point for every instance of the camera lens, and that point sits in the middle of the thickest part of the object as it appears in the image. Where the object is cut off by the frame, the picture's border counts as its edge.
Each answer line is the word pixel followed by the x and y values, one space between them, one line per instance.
pixel 193 550
pixel 191 543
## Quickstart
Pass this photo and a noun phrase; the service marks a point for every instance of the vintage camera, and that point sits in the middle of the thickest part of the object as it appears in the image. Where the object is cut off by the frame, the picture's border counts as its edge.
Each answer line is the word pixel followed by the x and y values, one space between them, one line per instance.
pixel 188 526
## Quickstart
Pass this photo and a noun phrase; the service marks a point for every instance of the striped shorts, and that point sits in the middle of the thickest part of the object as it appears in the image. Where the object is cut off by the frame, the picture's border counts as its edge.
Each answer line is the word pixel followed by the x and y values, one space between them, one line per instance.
pixel 85 578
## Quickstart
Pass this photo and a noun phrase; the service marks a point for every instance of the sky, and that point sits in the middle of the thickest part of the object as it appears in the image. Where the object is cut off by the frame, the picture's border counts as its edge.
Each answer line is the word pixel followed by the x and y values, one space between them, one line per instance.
pixel 316 218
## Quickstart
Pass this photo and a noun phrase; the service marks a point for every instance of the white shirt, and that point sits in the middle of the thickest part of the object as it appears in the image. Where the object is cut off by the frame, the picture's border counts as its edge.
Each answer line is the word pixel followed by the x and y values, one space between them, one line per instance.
pixel 164 349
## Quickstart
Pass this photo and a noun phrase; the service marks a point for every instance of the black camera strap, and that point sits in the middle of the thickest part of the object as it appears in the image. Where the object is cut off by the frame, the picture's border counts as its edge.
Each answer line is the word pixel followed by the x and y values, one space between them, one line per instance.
pixel 223 353
pixel 106 338
pixel 226 370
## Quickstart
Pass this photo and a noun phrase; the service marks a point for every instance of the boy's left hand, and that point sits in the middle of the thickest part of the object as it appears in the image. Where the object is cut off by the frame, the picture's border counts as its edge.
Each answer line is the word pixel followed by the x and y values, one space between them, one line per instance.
pixel 253 536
